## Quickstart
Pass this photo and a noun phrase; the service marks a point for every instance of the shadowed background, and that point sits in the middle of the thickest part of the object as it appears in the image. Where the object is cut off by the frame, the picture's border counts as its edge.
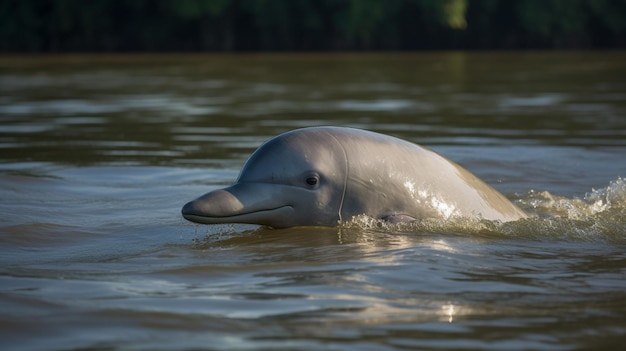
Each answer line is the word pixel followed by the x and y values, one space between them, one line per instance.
pixel 303 25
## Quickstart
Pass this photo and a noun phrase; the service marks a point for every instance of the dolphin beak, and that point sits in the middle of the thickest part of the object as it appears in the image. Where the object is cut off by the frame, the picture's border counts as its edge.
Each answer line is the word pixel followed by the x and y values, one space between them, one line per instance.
pixel 253 203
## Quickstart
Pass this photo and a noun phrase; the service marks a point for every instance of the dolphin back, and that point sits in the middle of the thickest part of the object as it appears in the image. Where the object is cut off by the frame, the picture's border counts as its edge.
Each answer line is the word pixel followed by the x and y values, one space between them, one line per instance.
pixel 392 178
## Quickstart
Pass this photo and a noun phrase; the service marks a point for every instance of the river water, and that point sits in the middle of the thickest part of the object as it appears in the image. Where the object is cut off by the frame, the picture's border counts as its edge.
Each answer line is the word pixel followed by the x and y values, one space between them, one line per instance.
pixel 99 153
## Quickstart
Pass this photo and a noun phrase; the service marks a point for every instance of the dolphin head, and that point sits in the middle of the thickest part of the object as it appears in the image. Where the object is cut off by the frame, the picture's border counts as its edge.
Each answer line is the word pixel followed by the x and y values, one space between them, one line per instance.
pixel 294 179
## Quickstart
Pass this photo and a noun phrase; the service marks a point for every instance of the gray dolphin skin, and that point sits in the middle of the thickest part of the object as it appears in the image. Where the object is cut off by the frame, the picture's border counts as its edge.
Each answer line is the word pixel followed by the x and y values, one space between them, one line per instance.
pixel 320 176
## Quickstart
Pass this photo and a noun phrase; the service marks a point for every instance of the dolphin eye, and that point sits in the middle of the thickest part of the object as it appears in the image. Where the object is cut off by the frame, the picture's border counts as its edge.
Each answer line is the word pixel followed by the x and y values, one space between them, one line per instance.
pixel 312 180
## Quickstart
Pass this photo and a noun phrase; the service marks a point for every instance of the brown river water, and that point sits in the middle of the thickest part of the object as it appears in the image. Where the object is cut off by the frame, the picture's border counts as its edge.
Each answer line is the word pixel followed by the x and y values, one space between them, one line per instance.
pixel 99 153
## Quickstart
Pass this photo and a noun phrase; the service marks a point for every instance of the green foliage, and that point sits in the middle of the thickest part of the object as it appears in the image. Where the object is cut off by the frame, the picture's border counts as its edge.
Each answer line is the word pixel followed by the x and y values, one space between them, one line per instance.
pixel 211 25
pixel 611 12
pixel 197 8
pixel 545 17
pixel 454 13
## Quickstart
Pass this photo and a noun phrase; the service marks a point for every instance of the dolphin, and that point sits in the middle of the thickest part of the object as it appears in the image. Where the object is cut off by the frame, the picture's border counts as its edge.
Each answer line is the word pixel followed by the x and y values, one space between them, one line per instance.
pixel 321 176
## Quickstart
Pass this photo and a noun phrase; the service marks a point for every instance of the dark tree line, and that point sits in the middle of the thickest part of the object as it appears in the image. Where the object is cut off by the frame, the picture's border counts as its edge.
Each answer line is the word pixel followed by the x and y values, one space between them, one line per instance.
pixel 311 25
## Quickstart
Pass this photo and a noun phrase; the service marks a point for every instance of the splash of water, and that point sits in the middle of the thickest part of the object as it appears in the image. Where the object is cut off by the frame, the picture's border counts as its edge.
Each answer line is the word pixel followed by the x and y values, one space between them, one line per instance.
pixel 599 215
pixel 544 204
